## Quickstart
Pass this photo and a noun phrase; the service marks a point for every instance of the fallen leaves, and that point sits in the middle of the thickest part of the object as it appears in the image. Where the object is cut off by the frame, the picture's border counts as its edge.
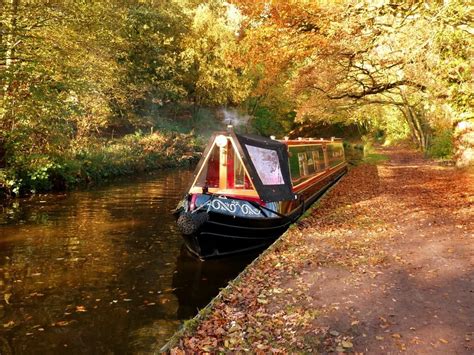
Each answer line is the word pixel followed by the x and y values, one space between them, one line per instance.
pixel 276 305
pixel 346 344
pixel 9 324
pixel 81 309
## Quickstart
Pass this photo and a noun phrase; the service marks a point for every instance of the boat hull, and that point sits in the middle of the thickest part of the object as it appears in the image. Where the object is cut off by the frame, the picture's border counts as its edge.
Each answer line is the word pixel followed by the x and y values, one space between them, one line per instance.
pixel 224 235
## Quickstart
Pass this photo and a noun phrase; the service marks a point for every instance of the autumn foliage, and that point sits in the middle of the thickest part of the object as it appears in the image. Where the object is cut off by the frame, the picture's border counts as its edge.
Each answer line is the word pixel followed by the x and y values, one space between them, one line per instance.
pixel 71 72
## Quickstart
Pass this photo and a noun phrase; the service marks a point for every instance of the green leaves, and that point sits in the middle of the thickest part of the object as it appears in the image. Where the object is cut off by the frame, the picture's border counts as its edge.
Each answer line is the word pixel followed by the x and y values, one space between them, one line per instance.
pixel 212 75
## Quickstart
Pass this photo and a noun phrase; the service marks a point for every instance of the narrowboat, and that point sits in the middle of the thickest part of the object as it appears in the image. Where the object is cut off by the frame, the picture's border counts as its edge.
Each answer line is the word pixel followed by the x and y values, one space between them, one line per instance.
pixel 247 190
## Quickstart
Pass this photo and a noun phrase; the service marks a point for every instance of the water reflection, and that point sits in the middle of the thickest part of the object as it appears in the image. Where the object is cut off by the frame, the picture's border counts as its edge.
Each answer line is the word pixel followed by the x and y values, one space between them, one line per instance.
pixel 100 270
pixel 194 281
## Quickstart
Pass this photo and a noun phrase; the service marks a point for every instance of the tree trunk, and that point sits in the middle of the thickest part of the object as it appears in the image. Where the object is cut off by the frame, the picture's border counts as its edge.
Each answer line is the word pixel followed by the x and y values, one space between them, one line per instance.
pixel 417 123
pixel 409 119
pixel 11 9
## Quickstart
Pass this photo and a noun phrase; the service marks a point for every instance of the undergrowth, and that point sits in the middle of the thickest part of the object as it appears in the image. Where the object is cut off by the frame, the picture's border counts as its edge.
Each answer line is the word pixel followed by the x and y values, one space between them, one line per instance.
pixel 442 146
pixel 95 159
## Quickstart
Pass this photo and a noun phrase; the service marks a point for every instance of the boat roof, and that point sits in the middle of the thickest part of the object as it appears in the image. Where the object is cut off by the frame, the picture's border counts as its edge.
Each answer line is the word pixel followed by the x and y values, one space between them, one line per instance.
pixel 300 141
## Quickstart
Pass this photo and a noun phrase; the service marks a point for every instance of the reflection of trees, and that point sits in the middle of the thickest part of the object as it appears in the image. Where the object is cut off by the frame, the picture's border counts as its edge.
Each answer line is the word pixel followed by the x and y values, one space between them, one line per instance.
pixel 110 250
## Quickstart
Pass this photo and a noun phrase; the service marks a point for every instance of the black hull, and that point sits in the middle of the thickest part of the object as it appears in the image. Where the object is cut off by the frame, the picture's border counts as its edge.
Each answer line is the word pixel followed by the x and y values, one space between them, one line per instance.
pixel 222 235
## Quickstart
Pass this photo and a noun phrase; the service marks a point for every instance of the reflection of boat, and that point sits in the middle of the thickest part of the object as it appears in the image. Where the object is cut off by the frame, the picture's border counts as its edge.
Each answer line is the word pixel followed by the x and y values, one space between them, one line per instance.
pixel 196 282
pixel 247 190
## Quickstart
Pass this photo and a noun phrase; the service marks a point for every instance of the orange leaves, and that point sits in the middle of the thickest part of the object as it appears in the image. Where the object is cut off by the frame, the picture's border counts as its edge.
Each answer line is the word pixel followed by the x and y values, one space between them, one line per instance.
pixel 81 309
pixel 355 274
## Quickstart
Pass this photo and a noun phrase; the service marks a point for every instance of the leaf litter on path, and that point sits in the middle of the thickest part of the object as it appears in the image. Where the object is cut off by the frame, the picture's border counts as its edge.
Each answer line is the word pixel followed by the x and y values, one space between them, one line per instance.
pixel 354 276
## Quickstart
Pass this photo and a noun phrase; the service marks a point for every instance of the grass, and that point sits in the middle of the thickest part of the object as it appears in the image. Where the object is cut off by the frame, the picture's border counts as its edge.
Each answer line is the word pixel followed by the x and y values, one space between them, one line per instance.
pixel 375 158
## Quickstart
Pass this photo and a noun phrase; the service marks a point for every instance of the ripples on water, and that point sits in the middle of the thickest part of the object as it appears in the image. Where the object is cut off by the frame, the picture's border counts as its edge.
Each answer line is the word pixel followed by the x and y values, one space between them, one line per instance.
pixel 102 270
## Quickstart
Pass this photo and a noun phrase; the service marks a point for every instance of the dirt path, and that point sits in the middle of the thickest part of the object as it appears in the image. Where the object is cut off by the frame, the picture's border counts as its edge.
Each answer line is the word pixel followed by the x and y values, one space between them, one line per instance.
pixel 383 265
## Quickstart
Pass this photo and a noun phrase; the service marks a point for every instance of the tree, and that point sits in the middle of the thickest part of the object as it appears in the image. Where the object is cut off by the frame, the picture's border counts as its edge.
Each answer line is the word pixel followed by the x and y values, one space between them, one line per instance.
pixel 375 53
pixel 213 74
pixel 154 34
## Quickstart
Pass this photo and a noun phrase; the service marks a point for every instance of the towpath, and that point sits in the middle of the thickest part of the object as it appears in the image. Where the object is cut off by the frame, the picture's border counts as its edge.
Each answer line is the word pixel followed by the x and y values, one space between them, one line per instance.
pixel 384 264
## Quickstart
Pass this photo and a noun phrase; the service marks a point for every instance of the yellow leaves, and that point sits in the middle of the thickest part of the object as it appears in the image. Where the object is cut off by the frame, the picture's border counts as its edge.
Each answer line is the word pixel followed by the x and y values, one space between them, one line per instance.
pixel 81 309
pixel 9 324
pixel 220 331
pixel 346 344
pixel 402 346
pixel 234 328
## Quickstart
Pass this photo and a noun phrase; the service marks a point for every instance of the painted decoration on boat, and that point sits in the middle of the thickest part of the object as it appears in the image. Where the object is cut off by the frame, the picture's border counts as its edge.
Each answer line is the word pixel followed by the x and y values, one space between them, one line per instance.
pixel 232 207
pixel 267 165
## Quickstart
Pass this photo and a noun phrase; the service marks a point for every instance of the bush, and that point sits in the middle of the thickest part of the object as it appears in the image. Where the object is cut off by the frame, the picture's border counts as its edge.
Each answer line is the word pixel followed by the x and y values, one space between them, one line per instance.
pixel 97 159
pixel 442 146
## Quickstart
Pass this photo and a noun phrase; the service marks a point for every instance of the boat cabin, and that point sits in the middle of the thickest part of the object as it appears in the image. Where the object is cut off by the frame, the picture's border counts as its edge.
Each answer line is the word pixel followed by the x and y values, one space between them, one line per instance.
pixel 262 169
pixel 310 158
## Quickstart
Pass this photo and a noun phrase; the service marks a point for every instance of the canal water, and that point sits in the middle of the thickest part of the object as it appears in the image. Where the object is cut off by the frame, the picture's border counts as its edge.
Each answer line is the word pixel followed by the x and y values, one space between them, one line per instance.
pixel 102 270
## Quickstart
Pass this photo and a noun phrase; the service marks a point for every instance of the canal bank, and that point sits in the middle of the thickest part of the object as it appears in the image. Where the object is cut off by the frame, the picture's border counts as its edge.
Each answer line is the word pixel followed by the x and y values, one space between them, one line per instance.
pixel 96 160
pixel 373 268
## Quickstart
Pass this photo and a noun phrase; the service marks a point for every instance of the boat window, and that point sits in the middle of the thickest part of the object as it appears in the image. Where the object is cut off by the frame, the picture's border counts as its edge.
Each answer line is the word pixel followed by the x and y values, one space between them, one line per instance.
pixel 303 162
pixel 310 163
pixel 335 154
pixel 294 166
pixel 267 165
pixel 316 162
